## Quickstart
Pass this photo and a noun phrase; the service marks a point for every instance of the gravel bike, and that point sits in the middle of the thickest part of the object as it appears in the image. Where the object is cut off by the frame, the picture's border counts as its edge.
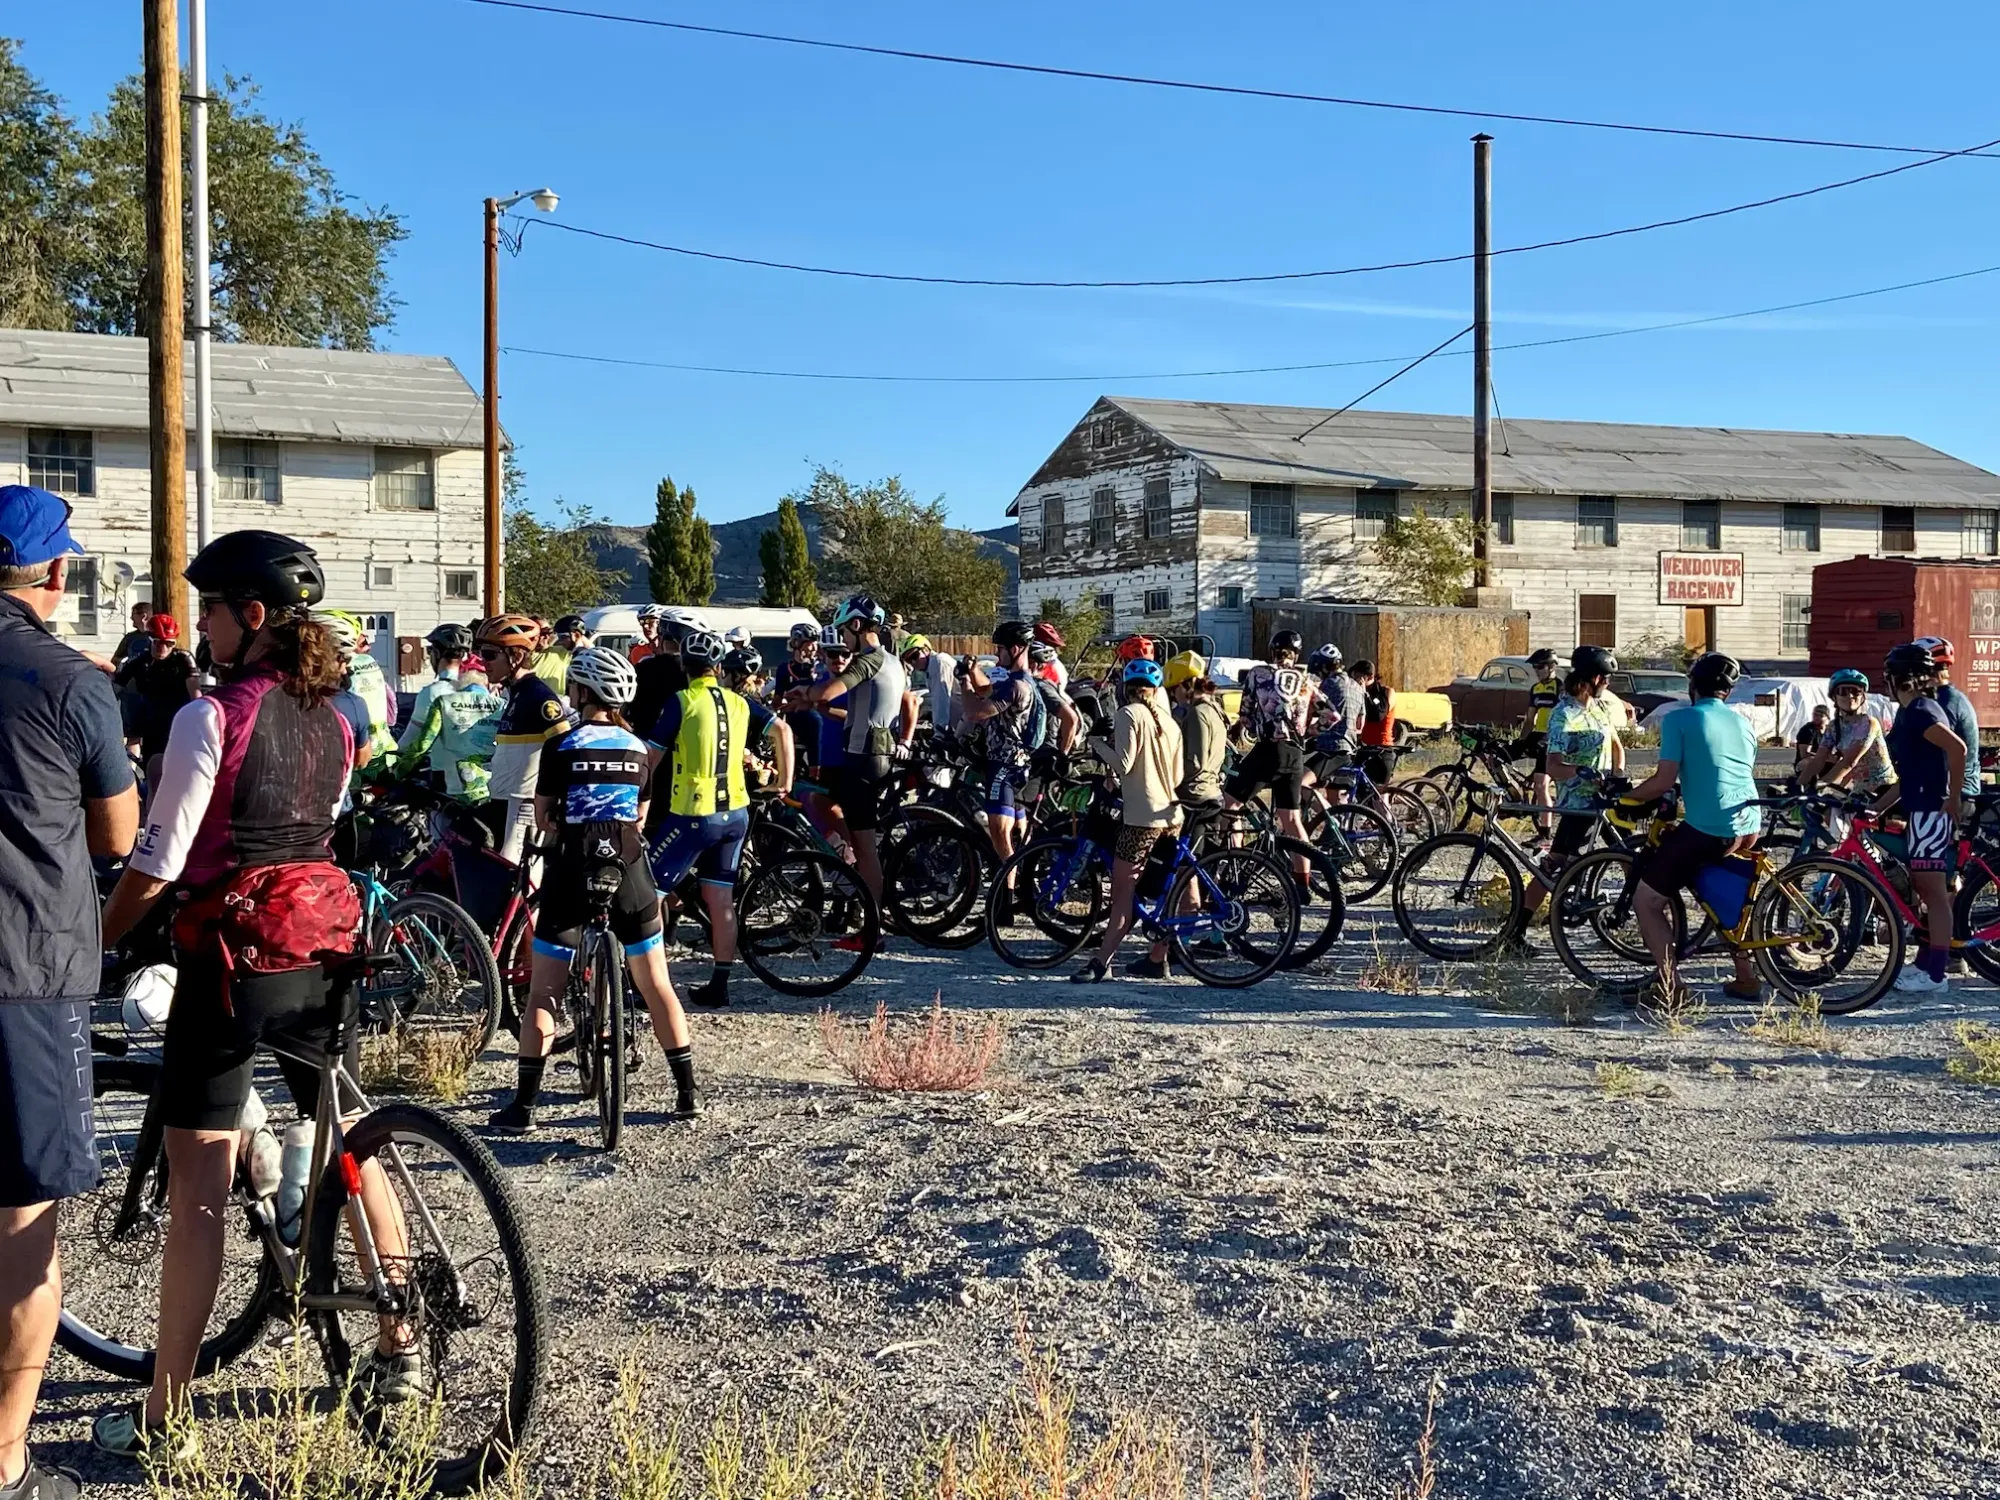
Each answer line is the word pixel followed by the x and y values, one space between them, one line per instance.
pixel 594 997
pixel 1462 895
pixel 464 1285
pixel 438 971
pixel 1485 765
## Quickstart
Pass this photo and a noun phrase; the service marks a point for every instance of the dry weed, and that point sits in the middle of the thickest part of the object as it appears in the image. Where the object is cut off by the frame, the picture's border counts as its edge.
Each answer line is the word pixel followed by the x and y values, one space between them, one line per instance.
pixel 1507 986
pixel 1677 1014
pixel 1422 1481
pixel 1978 1057
pixel 941 1053
pixel 424 1063
pixel 1385 975
pixel 1799 1025
pixel 1617 1080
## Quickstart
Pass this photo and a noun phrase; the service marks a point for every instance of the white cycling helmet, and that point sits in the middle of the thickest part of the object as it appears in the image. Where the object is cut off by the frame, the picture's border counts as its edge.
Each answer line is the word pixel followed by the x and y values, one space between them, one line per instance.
pixel 606 673
pixel 652 611
pixel 736 635
pixel 702 648
pixel 343 627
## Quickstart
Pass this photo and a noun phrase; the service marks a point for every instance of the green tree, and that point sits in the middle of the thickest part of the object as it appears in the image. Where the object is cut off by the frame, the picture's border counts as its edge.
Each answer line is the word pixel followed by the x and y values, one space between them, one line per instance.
pixel 1077 623
pixel 698 567
pixel 880 539
pixel 680 549
pixel 789 579
pixel 1427 558
pixel 294 262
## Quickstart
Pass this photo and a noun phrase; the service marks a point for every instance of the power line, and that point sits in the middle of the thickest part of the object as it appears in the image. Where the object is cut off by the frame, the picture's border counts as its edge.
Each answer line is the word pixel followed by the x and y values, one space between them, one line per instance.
pixel 853 273
pixel 1194 86
pixel 1384 381
pixel 1342 364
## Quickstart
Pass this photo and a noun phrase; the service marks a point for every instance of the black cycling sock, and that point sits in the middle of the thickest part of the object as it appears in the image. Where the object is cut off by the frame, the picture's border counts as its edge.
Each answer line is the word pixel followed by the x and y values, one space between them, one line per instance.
pixel 530 1087
pixel 680 1060
pixel 719 980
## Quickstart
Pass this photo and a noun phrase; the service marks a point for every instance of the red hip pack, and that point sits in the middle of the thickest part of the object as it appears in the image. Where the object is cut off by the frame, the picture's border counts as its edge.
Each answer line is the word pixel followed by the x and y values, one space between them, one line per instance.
pixel 271 918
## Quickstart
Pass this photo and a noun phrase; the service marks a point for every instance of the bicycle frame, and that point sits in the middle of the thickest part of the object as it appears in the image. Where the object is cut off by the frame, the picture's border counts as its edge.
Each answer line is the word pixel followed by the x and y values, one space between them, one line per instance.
pixel 1855 849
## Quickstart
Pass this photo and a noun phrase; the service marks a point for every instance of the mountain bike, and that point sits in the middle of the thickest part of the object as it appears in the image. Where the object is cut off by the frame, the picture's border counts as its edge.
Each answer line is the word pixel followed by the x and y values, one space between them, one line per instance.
pixel 464 1282
pixel 1485 765
pixel 438 971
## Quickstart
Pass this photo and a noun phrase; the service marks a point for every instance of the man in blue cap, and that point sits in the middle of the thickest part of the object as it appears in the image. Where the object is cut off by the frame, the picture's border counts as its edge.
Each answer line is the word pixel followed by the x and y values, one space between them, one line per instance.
pixel 66 792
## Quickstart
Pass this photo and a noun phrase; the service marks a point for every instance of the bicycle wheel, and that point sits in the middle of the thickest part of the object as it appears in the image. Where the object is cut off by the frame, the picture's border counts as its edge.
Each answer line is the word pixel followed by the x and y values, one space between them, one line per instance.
pixel 607 1033
pixel 471 1286
pixel 1248 916
pixel 1459 896
pixel 576 1006
pixel 444 978
pixel 1406 812
pixel 1060 897
pixel 1975 921
pixel 791 913
pixel 1364 848
pixel 1826 927
pixel 111 1291
pixel 1595 929
pixel 932 883
pixel 513 953
pixel 1322 909
pixel 1434 796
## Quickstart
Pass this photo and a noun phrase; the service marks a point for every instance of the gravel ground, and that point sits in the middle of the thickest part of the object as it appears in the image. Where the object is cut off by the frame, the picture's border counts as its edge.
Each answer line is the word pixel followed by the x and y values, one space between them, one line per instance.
pixel 1739 1270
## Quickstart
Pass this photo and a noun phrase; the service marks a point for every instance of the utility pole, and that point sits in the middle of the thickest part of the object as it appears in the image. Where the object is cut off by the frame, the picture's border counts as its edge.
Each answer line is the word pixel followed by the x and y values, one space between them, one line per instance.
pixel 165 315
pixel 1482 355
pixel 204 393
pixel 492 406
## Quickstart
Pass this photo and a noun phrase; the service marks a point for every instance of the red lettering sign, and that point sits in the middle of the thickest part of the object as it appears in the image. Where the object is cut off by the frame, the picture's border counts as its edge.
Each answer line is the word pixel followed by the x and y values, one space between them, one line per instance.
pixel 1704 578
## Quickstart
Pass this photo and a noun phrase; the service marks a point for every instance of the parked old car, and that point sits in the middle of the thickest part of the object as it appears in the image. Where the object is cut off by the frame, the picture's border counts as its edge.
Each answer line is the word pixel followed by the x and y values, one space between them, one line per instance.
pixel 1498 695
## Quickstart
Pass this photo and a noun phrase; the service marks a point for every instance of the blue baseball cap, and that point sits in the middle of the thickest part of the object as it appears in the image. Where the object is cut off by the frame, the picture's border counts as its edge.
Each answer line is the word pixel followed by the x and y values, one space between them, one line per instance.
pixel 34 526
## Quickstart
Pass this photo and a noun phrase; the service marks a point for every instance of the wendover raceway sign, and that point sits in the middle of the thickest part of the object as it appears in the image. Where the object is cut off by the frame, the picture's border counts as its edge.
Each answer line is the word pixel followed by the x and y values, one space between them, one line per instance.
pixel 1701 578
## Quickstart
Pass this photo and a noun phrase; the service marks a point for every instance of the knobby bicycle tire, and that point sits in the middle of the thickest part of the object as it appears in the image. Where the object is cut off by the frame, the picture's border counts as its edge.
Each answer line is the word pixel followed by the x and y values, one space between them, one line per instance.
pixel 1322 908
pixel 1364 846
pixel 933 883
pixel 1791 889
pixel 1062 904
pixel 1469 890
pixel 103 1349
pixel 1212 870
pixel 409 1124
pixel 1977 906
pixel 1595 895
pixel 803 903
pixel 470 948
pixel 607 1016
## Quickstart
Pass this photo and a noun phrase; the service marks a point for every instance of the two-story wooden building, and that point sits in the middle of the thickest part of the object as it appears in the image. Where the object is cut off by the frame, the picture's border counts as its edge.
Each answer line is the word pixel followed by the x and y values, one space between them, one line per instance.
pixel 373 459
pixel 1177 514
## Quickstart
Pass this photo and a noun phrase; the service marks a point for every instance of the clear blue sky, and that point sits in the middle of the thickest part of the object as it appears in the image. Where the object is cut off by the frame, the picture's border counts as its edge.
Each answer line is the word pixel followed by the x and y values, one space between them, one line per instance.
pixel 426 106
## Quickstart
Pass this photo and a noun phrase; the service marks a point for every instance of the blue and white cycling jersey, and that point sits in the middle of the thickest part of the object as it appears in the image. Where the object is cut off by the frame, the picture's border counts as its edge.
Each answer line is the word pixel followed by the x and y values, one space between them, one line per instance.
pixel 596 774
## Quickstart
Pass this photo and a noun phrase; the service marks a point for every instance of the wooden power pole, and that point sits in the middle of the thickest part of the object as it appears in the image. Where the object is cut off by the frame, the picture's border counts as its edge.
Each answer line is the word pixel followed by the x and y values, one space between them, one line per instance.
pixel 495 547
pixel 166 396
pixel 1482 356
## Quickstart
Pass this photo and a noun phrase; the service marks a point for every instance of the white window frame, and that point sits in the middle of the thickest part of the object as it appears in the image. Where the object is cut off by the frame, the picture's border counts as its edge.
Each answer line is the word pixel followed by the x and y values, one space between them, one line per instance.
pixel 1809 528
pixel 471 577
pixel 1375 511
pixel 80 581
pixel 72 474
pixel 1796 624
pixel 1712 541
pixel 376 578
pixel 1604 525
pixel 1104 516
pixel 1159 509
pixel 1271 503
pixel 1501 533
pixel 1159 601
pixel 411 487
pixel 1979 533
pixel 248 471
pixel 1229 596
pixel 1052 524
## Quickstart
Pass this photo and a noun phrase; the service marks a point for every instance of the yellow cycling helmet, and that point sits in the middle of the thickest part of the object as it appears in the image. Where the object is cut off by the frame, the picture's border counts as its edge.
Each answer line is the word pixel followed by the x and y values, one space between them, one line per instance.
pixel 1185 668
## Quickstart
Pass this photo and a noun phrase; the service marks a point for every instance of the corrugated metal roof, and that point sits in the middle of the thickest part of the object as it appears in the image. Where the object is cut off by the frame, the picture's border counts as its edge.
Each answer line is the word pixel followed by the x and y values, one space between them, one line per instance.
pixel 1411 449
pixel 334 395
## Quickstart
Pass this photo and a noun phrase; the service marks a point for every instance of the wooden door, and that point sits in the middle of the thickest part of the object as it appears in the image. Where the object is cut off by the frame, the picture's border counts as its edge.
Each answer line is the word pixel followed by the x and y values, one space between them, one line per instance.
pixel 1597 620
pixel 1698 627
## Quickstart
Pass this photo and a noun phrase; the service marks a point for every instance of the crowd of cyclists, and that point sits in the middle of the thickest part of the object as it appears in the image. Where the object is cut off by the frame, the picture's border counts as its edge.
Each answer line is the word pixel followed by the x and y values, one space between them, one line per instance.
pixel 633 773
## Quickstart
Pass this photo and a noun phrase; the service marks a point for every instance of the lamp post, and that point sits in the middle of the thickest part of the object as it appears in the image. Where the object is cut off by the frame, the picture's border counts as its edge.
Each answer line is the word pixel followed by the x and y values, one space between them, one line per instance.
pixel 545 200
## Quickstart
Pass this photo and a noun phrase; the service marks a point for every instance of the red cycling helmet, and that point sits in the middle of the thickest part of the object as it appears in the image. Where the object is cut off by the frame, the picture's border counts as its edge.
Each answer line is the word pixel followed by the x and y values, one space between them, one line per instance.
pixel 1940 648
pixel 1135 648
pixel 164 628
pixel 1048 635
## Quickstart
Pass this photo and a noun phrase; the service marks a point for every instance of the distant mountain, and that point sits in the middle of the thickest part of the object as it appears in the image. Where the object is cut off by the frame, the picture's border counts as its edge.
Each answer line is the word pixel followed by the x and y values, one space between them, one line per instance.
pixel 739 571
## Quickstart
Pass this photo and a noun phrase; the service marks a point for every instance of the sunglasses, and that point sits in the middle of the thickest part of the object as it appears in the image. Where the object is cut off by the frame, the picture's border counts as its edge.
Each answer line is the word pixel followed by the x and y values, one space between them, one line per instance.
pixel 492 653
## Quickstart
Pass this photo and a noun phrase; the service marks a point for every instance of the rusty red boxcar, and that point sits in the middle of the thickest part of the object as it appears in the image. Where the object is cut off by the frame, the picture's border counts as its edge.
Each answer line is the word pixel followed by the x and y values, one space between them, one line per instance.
pixel 1862 607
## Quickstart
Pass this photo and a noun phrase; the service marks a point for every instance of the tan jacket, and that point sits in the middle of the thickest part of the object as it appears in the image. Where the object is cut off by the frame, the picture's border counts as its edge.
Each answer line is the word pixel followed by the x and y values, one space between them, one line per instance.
pixel 1146 754
pixel 1205 738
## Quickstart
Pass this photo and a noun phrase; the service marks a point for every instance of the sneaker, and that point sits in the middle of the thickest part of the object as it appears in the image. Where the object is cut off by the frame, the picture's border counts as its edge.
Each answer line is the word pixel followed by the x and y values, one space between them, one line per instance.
pixel 40 1482
pixel 389 1379
pixel 122 1433
pixel 1091 973
pixel 1752 992
pixel 516 1119
pixel 1146 968
pixel 685 1107
pixel 715 994
pixel 1914 981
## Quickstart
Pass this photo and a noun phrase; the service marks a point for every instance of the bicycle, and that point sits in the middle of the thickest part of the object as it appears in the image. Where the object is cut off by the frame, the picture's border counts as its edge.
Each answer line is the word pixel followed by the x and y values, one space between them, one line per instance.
pixel 1322 904
pixel 1410 814
pixel 468 1286
pixel 439 965
pixel 1806 924
pixel 1485 764
pixel 594 998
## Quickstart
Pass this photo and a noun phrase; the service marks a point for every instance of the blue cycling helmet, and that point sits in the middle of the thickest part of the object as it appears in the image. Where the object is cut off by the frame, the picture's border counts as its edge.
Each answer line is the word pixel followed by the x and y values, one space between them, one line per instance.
pixel 1143 673
pixel 1849 677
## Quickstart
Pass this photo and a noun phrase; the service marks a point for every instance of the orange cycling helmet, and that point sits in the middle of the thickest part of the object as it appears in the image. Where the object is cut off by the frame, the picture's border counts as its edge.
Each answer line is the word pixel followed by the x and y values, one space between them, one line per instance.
pixel 519 631
pixel 1135 648
pixel 1048 635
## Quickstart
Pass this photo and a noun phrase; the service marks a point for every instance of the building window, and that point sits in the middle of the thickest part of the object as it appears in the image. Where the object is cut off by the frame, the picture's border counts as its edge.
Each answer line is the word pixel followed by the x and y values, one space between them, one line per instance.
pixel 1798 621
pixel 1899 528
pixel 1597 620
pixel 1503 520
pixel 1701 526
pixel 1052 524
pixel 381 575
pixel 1229 597
pixel 1288 591
pixel 461 585
pixel 62 460
pixel 403 479
pixel 246 470
pixel 1374 514
pixel 1981 534
pixel 1103 517
pixel 1596 526
pixel 1159 510
pixel 1273 510
pixel 1103 434
pixel 1107 611
pixel 1158 601
pixel 80 584
pixel 1801 529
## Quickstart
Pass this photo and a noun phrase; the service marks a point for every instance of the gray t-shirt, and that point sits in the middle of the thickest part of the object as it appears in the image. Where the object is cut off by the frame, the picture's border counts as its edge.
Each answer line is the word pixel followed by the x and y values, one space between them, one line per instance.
pixel 1349 705
pixel 875 683
pixel 1965 724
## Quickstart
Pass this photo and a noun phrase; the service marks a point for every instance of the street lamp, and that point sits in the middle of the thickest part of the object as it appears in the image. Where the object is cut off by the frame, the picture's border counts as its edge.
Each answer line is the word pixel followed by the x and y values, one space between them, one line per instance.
pixel 545 200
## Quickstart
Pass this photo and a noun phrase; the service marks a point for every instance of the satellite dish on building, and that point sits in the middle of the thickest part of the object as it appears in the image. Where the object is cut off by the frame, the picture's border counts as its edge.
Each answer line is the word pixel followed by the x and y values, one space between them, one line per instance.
pixel 124 574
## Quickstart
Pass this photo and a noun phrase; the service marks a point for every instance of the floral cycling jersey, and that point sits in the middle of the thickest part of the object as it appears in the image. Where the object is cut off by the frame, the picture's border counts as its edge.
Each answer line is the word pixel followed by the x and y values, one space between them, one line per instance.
pixel 1581 732
pixel 1278 702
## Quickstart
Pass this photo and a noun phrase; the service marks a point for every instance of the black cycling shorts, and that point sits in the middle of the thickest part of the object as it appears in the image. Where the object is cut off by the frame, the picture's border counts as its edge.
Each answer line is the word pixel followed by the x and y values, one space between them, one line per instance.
pixel 1571 833
pixel 218 1021
pixel 1279 765
pixel 1683 852
pixel 565 909
pixel 48 1141
pixel 860 785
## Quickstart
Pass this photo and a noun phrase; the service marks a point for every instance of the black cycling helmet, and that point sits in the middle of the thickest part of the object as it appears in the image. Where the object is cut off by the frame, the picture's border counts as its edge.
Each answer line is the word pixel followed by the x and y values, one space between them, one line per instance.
pixel 450 639
pixel 1287 640
pixel 1713 675
pixel 1911 660
pixel 1592 661
pixel 264 567
pixel 742 662
pixel 1543 658
pixel 1012 633
pixel 571 622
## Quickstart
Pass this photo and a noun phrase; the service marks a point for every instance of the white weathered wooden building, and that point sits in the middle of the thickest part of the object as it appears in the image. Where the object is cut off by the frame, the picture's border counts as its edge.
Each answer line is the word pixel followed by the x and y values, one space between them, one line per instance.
pixel 373 459
pixel 1180 513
